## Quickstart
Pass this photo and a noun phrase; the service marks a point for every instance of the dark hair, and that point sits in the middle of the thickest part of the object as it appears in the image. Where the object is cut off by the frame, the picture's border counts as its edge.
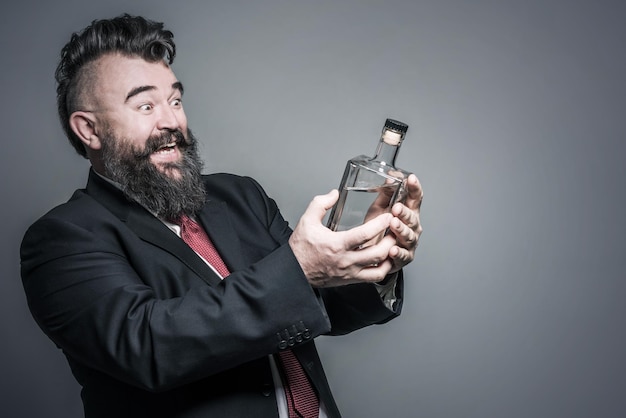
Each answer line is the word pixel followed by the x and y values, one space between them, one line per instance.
pixel 125 34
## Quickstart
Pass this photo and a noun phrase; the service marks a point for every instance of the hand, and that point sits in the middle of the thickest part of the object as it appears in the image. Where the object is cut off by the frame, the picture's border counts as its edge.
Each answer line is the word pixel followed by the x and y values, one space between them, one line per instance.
pixel 334 258
pixel 406 226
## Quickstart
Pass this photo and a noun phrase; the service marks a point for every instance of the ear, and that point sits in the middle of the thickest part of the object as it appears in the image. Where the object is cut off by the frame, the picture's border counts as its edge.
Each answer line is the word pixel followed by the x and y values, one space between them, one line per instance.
pixel 83 124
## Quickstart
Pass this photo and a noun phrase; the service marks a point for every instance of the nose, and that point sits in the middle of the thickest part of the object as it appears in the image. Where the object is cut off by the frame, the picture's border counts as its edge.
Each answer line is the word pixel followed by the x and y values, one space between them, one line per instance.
pixel 169 119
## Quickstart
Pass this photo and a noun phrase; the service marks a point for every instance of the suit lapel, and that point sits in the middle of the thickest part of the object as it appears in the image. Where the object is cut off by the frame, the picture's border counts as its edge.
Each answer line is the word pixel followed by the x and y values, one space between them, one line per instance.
pixel 148 227
pixel 152 230
pixel 217 223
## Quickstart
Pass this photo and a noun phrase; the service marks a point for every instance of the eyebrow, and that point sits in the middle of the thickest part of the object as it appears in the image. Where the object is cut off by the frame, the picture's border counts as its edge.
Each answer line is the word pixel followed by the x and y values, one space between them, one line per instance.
pixel 137 90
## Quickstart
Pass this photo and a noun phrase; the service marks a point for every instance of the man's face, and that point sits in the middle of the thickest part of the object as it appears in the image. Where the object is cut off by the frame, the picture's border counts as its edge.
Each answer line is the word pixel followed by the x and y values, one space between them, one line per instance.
pixel 144 144
pixel 138 100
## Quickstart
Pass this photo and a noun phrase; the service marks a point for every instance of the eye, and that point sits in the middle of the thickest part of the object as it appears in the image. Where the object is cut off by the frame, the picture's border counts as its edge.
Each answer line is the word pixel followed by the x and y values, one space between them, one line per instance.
pixel 145 107
pixel 177 102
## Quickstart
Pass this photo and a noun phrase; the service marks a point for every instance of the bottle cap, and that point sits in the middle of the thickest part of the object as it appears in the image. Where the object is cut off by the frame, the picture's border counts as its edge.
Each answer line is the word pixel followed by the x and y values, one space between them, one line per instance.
pixel 396 126
pixel 394 131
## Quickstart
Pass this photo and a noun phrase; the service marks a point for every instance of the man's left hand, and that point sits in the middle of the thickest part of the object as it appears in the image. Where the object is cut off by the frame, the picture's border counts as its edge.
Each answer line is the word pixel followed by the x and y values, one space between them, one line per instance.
pixel 406 225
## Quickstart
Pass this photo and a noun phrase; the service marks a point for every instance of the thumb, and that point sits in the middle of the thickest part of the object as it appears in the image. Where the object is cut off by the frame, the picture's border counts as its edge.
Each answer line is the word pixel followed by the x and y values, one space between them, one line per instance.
pixel 320 204
pixel 362 234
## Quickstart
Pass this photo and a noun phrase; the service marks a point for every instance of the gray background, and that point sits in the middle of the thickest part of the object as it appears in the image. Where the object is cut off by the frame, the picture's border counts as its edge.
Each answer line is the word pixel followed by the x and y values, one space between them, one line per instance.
pixel 515 304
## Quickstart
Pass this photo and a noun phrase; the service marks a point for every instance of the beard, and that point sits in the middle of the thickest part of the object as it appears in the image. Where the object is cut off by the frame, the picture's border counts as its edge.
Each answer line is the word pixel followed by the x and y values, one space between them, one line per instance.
pixel 166 195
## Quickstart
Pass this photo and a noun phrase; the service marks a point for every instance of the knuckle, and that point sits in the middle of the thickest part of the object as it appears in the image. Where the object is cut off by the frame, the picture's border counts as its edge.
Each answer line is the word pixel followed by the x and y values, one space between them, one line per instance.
pixel 343 263
pixel 402 256
pixel 333 247
pixel 378 259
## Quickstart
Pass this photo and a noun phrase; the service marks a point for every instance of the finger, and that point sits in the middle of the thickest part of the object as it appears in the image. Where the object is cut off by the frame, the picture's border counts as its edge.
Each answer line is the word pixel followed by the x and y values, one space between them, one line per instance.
pixel 321 204
pixel 362 234
pixel 410 218
pixel 375 273
pixel 400 257
pixel 406 234
pixel 415 193
pixel 401 232
pixel 373 254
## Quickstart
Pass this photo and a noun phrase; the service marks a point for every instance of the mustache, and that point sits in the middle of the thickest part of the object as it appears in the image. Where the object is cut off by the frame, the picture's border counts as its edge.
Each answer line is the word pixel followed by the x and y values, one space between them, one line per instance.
pixel 156 142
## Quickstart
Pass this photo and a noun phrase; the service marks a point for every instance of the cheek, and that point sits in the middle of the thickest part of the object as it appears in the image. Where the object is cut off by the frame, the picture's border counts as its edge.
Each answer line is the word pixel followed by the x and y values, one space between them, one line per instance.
pixel 134 130
pixel 140 131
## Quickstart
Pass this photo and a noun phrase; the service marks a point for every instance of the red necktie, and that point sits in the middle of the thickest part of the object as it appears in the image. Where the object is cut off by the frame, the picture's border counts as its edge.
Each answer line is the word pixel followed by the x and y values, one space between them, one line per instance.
pixel 194 235
pixel 301 398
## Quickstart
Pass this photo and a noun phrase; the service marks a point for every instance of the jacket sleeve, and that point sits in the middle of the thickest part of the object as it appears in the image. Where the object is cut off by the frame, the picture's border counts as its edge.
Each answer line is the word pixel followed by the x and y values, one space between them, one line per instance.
pixel 351 307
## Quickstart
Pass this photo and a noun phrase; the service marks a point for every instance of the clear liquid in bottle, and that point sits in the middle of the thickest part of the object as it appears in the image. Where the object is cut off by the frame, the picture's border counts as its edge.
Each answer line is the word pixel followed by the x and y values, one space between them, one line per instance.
pixel 371 185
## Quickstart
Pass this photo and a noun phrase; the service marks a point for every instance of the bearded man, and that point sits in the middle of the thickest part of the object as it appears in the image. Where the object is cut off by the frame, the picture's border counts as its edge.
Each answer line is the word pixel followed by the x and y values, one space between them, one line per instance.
pixel 178 294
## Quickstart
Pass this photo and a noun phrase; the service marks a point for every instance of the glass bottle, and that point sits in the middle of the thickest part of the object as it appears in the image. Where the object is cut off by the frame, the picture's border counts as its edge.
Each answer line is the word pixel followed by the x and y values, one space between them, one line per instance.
pixel 371 186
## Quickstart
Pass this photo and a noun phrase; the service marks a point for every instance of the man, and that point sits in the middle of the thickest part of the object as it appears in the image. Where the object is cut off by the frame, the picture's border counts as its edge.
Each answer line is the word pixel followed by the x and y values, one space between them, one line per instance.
pixel 154 325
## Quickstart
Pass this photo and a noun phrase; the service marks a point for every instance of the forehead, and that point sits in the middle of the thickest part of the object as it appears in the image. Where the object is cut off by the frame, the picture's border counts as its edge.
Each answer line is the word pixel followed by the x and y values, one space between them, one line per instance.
pixel 117 75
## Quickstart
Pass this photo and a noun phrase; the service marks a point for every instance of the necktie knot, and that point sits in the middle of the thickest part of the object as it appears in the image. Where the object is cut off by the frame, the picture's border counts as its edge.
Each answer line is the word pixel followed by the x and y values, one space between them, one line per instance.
pixel 185 222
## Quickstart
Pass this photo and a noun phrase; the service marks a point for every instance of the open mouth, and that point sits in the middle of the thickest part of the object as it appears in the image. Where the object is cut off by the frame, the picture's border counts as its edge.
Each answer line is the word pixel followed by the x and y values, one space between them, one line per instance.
pixel 167 148
pixel 168 153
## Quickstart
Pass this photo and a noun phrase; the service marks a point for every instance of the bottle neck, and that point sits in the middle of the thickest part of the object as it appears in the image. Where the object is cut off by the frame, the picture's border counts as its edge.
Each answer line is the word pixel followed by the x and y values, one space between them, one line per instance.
pixel 387 153
pixel 388 147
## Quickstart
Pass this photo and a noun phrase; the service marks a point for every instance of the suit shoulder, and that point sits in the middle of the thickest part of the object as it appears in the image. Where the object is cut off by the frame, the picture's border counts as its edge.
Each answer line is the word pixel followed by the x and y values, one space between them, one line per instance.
pixel 228 186
pixel 65 229
pixel 80 202
pixel 242 194
pixel 217 179
pixel 81 214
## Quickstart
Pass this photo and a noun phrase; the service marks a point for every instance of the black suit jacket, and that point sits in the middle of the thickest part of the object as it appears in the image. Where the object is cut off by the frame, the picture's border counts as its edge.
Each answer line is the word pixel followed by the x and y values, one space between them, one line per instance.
pixel 150 330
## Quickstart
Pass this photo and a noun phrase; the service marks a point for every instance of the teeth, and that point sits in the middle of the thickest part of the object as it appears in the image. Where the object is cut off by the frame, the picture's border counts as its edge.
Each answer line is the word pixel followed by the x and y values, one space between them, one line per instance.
pixel 167 146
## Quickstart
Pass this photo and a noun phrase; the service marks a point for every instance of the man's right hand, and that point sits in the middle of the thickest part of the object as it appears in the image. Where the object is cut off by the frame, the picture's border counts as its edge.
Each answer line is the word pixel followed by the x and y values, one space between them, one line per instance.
pixel 335 258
